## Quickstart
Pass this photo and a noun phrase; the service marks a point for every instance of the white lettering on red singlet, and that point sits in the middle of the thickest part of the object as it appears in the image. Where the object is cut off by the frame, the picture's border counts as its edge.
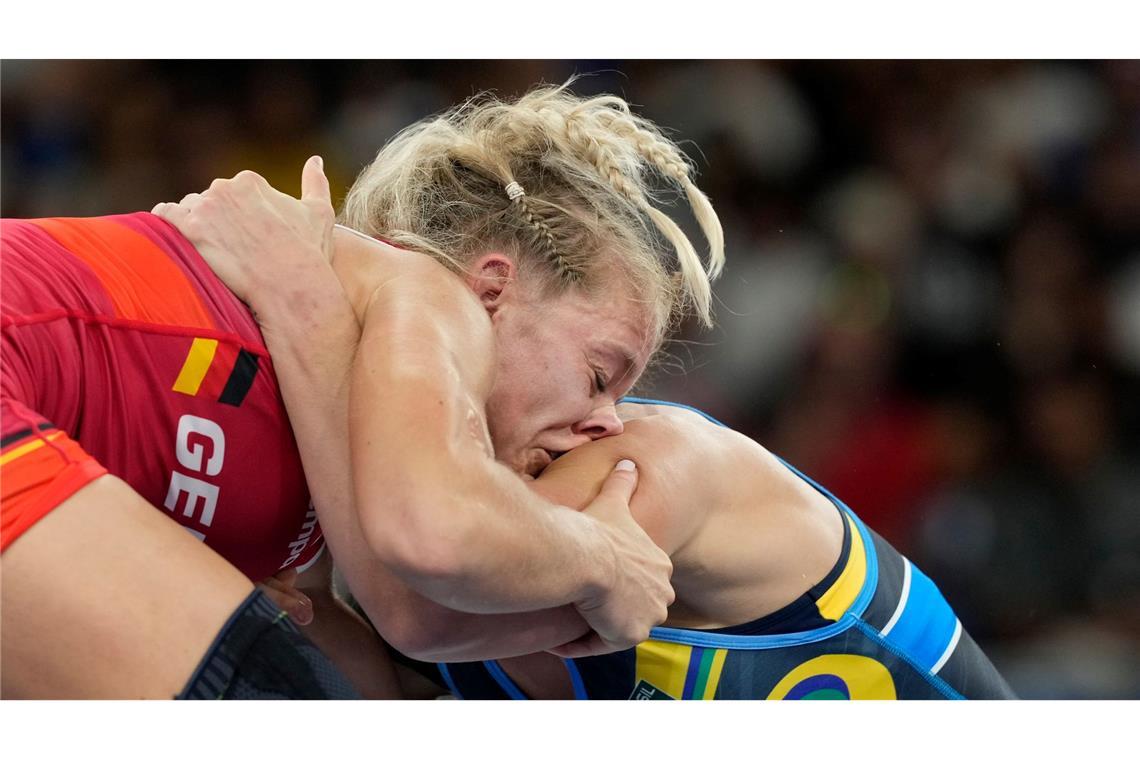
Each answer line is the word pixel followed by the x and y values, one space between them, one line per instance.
pixel 200 446
pixel 195 436
pixel 298 546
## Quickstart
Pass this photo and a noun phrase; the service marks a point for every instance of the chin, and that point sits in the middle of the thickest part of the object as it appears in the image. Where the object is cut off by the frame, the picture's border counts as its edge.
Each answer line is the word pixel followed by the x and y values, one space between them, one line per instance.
pixel 516 461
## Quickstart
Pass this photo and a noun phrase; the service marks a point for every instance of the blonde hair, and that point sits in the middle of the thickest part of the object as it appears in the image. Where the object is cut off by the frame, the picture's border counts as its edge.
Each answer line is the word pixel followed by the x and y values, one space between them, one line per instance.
pixel 581 207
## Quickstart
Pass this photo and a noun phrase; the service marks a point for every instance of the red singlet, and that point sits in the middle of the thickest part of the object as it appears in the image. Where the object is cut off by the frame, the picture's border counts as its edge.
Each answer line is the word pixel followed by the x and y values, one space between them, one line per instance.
pixel 122 352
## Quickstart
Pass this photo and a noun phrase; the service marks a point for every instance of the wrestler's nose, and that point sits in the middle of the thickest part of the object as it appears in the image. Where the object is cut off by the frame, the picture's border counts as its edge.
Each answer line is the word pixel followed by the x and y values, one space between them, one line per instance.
pixel 602 422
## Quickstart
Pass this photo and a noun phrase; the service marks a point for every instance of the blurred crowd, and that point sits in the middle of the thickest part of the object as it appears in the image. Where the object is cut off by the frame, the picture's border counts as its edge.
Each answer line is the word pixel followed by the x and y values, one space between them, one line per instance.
pixel 931 303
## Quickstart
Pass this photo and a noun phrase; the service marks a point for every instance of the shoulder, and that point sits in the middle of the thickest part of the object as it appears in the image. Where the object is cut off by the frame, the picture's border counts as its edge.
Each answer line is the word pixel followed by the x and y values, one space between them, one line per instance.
pixel 415 314
pixel 680 433
pixel 675 449
pixel 686 471
pixel 375 272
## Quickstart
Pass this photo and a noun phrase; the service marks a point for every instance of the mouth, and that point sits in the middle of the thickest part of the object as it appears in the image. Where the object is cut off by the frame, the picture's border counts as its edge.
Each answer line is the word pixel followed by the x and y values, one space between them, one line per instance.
pixel 538 460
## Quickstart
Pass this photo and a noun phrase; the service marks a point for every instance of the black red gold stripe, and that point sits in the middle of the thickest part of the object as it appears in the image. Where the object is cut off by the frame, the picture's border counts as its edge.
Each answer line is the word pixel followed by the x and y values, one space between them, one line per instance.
pixel 241 379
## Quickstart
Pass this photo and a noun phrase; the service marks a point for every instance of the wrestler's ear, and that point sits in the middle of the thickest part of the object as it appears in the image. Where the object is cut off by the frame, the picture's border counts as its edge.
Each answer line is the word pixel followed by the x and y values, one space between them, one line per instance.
pixel 493 277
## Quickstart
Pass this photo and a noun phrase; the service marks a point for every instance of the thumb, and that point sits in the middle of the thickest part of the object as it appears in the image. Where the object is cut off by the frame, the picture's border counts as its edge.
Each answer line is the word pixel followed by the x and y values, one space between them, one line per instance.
pixel 314 183
pixel 620 484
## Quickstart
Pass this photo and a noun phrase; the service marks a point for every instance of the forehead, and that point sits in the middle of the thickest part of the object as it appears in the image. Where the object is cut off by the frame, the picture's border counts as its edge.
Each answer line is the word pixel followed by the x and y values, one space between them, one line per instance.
pixel 617 330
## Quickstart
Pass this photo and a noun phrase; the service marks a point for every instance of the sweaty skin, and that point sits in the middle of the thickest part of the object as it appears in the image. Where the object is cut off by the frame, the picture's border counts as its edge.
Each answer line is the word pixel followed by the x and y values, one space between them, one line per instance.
pixel 402 364
pixel 746 535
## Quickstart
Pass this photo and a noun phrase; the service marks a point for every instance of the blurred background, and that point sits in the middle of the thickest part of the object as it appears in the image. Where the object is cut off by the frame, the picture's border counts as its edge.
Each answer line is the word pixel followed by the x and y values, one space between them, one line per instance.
pixel 931 303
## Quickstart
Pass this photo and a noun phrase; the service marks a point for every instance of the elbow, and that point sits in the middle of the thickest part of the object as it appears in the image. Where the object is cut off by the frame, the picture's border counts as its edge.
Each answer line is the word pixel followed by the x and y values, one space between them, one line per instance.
pixel 414 639
pixel 414 627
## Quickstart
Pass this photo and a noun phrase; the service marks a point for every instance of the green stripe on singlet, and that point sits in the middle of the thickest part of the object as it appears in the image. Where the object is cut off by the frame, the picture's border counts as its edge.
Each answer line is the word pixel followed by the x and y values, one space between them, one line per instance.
pixel 703 673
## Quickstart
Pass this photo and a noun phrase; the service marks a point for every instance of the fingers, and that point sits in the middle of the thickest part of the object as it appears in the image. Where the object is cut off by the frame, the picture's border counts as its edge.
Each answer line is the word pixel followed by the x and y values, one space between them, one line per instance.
pixel 296 604
pixel 177 213
pixel 171 212
pixel 589 645
pixel 314 183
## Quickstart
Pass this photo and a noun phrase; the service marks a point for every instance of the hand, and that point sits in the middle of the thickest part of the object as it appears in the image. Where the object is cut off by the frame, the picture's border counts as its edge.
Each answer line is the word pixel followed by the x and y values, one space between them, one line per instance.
pixel 640 595
pixel 282 590
pixel 263 244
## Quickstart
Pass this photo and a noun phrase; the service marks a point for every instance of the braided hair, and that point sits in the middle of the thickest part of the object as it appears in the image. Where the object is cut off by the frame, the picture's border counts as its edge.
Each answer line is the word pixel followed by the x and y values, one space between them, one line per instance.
pixel 567 185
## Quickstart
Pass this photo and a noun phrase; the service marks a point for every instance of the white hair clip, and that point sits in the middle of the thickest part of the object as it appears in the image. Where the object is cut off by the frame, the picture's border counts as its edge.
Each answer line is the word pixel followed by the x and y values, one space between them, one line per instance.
pixel 514 190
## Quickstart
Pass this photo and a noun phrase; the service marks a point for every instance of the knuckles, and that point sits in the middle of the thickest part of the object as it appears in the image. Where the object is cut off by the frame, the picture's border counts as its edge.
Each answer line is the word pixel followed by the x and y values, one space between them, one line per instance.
pixel 241 183
pixel 247 179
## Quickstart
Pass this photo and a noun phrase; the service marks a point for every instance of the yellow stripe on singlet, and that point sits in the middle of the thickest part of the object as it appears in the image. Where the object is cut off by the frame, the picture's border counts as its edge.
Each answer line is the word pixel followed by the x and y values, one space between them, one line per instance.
pixel 663 665
pixel 27 448
pixel 837 599
pixel 197 364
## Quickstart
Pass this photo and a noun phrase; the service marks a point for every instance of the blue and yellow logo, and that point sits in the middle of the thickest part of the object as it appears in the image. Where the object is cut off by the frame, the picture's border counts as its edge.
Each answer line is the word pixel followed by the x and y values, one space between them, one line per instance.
pixel 837 676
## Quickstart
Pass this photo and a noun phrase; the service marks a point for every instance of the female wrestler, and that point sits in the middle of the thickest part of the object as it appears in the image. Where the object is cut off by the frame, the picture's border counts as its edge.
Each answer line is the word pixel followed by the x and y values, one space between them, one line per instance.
pixel 782 592
pixel 555 282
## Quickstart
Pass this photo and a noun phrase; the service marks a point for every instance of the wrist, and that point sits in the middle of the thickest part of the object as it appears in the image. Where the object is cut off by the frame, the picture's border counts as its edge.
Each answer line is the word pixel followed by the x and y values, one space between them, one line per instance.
pixel 313 311
pixel 596 574
pixel 300 296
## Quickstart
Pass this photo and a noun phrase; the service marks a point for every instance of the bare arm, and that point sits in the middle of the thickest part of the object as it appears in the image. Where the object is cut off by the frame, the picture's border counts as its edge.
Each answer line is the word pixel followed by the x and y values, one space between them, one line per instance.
pixel 428 631
pixel 662 506
pixel 409 621
pixel 456 525
pixel 427 501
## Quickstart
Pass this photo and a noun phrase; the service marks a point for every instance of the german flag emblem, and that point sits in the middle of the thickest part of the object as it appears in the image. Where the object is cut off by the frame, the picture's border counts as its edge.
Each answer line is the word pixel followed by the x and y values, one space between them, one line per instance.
pixel 217 370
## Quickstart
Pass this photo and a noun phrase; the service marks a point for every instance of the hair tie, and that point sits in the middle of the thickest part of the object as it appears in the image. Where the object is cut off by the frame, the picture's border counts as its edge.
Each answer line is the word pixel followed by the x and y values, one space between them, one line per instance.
pixel 514 190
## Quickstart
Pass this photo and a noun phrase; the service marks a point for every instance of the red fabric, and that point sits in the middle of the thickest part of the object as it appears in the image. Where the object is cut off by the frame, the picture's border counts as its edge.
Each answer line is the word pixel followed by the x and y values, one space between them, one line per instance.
pixel 885 466
pixel 39 469
pixel 97 349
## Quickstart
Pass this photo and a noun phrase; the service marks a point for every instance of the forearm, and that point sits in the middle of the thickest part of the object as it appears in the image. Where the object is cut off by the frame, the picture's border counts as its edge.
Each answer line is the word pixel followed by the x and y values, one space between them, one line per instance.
pixel 312 343
pixel 456 526
pixel 422 497
pixel 427 631
pixel 508 550
pixel 465 637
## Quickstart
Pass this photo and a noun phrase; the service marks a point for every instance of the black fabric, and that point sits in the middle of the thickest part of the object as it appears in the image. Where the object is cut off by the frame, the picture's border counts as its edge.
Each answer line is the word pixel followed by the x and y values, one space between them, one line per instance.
pixel 240 380
pixel 260 654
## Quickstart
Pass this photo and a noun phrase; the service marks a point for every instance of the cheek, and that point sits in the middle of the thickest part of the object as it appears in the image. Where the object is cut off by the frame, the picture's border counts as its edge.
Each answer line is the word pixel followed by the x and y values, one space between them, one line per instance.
pixel 511 408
